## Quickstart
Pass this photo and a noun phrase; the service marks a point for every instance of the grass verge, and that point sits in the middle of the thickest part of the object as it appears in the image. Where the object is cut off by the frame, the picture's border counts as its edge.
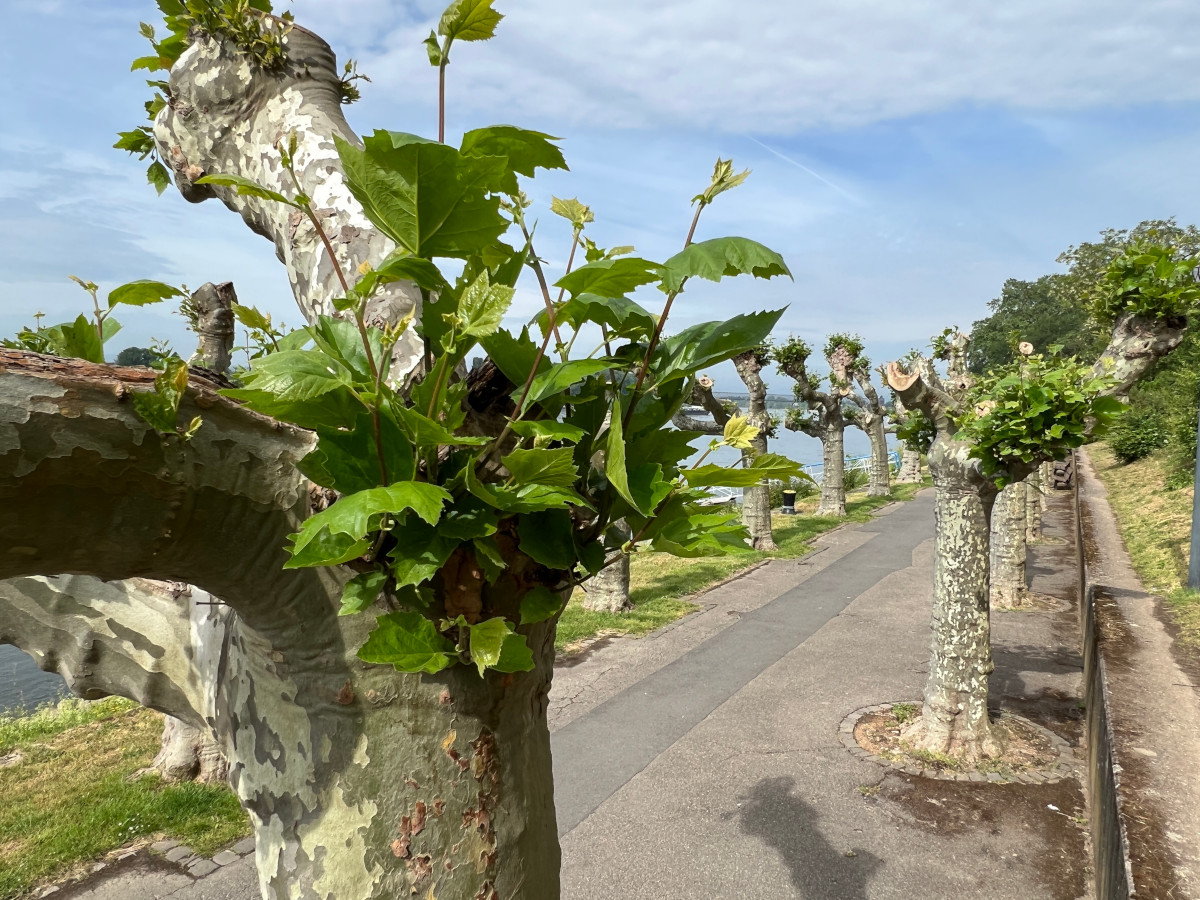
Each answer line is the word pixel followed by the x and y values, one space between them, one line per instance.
pixel 659 582
pixel 71 796
pixel 1156 524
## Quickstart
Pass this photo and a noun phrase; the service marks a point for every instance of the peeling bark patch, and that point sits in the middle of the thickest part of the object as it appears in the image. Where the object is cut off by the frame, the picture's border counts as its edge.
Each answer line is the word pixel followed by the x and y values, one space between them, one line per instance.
pixel 136 639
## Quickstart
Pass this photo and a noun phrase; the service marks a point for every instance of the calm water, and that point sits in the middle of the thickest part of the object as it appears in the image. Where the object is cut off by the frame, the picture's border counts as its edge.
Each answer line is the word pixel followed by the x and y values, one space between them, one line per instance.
pixel 24 686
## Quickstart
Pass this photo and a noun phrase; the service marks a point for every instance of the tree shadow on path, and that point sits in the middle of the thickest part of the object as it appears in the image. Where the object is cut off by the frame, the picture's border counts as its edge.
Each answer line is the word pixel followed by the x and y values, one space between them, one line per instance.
pixel 787 823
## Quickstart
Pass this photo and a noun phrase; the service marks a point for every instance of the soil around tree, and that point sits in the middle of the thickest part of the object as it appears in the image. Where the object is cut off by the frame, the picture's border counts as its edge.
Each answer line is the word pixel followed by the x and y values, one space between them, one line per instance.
pixel 1032 754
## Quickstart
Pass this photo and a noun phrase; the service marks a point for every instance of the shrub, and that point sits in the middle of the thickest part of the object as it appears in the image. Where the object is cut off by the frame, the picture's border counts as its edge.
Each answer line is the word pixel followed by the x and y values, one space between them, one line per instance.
pixel 1137 433
pixel 852 479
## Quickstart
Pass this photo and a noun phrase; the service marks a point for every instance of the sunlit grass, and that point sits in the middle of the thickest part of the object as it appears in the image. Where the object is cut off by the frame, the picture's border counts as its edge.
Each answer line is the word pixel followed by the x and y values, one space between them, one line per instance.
pixel 72 796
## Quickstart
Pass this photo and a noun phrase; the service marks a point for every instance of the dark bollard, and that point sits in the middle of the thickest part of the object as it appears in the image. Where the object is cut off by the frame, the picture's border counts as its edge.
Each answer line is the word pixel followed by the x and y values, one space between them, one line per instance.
pixel 789 503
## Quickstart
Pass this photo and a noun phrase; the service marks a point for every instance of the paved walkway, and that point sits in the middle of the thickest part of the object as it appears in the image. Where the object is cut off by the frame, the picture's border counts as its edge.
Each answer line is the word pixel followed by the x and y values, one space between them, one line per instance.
pixel 704 760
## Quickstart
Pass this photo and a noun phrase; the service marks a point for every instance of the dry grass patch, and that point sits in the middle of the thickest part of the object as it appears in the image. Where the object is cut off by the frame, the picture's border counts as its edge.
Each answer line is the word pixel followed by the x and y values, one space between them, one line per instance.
pixel 73 797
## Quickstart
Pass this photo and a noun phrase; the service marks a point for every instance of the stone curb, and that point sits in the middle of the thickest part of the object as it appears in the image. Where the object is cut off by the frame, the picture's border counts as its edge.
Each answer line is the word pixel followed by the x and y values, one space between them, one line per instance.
pixel 1054 772
pixel 196 865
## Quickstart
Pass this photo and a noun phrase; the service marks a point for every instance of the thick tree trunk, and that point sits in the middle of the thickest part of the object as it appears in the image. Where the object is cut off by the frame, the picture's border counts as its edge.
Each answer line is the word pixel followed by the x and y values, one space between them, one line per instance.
pixel 1008 547
pixel 1033 506
pixel 189 754
pixel 608 590
pixel 361 783
pixel 756 499
pixel 833 487
pixel 881 468
pixel 954 718
pixel 910 466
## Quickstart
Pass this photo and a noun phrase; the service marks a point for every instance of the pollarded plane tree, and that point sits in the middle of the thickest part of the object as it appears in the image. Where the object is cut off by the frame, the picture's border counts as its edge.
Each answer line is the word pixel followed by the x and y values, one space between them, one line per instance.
pixel 998 430
pixel 378 684
pixel 822 414
pixel 907 427
pixel 870 413
pixel 756 499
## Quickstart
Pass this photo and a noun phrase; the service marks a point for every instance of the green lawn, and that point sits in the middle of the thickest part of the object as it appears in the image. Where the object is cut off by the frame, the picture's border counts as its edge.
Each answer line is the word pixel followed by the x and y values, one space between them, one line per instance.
pixel 659 583
pixel 72 797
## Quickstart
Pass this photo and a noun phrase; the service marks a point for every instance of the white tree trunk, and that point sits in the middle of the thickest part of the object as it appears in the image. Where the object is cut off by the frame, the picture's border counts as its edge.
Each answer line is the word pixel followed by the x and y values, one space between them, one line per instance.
pixel 756 499
pixel 189 754
pixel 954 717
pixel 833 487
pixel 881 469
pixel 1008 547
pixel 608 590
pixel 910 466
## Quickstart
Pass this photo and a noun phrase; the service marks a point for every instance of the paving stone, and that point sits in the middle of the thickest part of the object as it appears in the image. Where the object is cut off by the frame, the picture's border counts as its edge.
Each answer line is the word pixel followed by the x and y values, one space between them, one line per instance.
pixel 225 857
pixel 163 846
pixel 180 853
pixel 202 867
pixel 244 846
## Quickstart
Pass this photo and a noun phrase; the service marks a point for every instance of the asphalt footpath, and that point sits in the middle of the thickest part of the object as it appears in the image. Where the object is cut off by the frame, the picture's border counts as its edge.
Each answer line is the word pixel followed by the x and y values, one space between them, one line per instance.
pixel 705 760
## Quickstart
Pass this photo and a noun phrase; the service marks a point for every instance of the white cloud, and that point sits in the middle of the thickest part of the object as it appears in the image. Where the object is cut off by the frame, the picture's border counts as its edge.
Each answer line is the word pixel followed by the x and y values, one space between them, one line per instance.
pixel 774 66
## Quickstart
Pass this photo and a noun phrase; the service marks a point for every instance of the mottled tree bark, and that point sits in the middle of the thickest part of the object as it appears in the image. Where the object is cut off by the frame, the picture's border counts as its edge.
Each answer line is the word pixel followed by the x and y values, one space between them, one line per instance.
pixel 954 717
pixel 871 417
pixel 910 466
pixel 360 782
pixel 608 589
pixel 1008 547
pixel 756 499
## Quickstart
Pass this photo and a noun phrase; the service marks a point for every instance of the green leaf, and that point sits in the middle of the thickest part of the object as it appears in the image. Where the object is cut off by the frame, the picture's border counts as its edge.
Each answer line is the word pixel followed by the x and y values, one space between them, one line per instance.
pixel 708 343
pixel 401 266
pixel 1107 405
pixel 75 340
pixel 297 375
pixel 333 409
pixel 158 176
pixel 610 277
pixel 721 257
pixel 515 655
pixel 514 356
pixel 408 641
pixel 245 187
pixel 323 548
pixel 426 432
pixel 160 407
pixel 614 459
pixel 419 553
pixel 361 592
pixel 739 433
pixel 138 141
pixel 482 306
pixel 426 196
pixel 141 293
pixel 560 377
pixel 765 466
pixel 547 430
pixel 525 150
pixel 546 537
pixel 539 605
pixel 723 179
pixel 469 20
pixel 552 467
pixel 252 318
pixel 347 461
pixel 340 340
pixel 622 316
pixel 486 639
pixel 433 48
pixel 578 214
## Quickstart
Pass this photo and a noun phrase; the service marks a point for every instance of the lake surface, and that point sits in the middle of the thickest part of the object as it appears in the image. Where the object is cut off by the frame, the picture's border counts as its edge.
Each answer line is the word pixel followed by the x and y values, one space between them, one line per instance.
pixel 23 686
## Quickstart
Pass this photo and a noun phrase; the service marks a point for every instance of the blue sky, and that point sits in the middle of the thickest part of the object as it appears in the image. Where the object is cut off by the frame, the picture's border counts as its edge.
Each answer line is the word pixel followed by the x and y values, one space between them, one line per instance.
pixel 907 158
